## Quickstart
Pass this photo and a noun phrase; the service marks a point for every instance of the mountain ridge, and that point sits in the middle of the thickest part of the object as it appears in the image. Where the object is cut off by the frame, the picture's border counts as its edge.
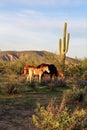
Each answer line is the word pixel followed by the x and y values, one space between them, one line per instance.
pixel 32 55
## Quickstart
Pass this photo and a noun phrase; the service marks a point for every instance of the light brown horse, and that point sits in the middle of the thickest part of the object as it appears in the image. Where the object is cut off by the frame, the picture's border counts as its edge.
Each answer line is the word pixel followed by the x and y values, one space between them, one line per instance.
pixel 34 71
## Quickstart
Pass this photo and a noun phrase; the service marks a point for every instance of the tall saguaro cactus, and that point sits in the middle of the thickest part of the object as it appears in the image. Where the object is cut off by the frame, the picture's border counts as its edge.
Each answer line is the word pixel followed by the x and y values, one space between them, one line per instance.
pixel 63 45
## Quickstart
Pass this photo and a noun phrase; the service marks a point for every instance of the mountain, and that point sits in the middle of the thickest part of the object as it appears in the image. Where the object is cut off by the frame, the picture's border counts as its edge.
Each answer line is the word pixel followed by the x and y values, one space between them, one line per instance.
pixel 32 56
pixel 8 55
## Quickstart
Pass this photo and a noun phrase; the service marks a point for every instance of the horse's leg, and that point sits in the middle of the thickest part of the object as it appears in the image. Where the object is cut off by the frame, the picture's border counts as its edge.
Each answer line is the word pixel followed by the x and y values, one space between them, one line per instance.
pixel 51 76
pixel 31 74
pixel 40 78
pixel 28 77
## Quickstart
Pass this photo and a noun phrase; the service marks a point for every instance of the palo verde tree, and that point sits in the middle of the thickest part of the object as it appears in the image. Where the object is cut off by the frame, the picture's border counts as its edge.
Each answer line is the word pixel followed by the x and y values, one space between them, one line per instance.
pixel 63 46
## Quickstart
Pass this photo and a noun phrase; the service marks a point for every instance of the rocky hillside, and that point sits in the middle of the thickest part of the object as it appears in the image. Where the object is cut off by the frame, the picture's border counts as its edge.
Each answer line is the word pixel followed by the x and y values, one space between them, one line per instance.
pixel 32 56
pixel 8 56
pixel 14 55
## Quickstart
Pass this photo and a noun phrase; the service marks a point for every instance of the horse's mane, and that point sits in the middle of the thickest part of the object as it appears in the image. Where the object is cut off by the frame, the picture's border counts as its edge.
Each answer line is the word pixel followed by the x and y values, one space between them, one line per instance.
pixel 27 66
pixel 43 64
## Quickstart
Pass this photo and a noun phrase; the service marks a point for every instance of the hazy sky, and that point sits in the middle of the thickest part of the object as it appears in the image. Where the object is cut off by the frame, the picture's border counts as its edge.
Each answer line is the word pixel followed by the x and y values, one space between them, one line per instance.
pixel 38 24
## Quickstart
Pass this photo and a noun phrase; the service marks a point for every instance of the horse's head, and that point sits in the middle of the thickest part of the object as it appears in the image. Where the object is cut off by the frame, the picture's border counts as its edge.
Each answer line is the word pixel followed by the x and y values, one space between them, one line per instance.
pixel 61 74
pixel 45 68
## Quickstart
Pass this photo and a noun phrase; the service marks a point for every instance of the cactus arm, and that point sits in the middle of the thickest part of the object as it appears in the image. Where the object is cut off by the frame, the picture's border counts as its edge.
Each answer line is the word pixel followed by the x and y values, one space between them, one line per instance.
pixel 59 47
pixel 65 28
pixel 67 42
pixel 63 45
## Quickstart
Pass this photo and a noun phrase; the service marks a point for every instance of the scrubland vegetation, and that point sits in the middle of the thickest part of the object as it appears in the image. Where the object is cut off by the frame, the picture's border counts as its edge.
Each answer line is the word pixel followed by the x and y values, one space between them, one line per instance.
pixel 51 105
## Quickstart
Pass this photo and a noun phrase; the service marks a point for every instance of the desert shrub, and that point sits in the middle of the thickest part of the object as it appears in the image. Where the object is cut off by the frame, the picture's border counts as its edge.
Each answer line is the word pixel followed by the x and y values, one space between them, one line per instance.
pixel 81 84
pixel 15 67
pixel 51 85
pixel 60 83
pixel 51 118
pixel 11 84
pixel 11 88
pixel 4 67
pixel 75 95
pixel 54 84
pixel 32 85
pixel 78 70
pixel 84 67
pixel 74 71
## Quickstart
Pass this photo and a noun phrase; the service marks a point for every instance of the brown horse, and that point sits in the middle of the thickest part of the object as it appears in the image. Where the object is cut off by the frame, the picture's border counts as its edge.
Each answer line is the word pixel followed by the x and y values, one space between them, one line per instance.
pixel 61 74
pixel 54 73
pixel 34 71
pixel 52 69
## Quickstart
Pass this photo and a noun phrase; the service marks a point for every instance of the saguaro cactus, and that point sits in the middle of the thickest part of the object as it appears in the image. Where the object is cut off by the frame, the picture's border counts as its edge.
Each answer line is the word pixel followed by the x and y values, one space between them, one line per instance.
pixel 63 45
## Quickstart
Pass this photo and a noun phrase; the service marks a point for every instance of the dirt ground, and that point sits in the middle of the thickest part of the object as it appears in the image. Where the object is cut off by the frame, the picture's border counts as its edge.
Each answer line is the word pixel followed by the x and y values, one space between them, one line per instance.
pixel 16 111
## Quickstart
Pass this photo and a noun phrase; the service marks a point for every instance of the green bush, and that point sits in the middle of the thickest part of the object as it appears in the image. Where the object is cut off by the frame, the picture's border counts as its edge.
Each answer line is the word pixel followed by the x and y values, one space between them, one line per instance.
pixel 51 118
pixel 54 84
pixel 78 70
pixel 75 95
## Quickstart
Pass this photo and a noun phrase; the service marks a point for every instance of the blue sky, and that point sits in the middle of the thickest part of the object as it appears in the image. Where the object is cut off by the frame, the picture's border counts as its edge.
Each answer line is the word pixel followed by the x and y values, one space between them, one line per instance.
pixel 38 25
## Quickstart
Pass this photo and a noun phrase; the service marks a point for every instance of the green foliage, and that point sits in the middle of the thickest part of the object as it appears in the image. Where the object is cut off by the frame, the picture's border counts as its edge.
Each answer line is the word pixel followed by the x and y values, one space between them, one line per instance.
pixel 56 83
pixel 32 85
pixel 84 68
pixel 81 84
pixel 77 70
pixel 75 95
pixel 51 118
pixel 10 67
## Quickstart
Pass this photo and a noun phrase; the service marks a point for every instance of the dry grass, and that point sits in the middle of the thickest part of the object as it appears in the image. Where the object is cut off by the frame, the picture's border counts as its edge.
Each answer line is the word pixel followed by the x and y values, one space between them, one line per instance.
pixel 16 109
